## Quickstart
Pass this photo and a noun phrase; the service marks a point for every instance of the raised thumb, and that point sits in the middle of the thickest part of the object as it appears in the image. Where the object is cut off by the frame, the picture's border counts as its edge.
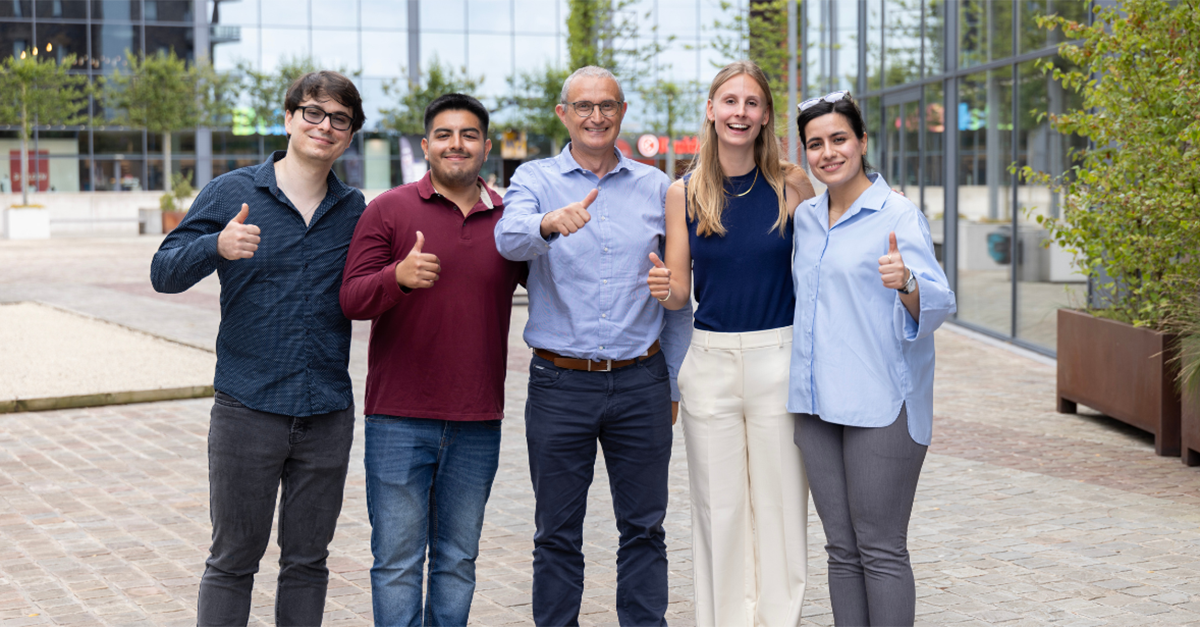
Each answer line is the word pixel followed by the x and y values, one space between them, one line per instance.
pixel 420 243
pixel 656 261
pixel 240 218
pixel 892 246
pixel 590 198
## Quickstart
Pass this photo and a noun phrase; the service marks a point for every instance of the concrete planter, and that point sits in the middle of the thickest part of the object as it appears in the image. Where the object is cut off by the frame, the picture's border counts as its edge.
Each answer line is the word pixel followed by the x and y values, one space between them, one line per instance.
pixel 26 223
pixel 150 221
pixel 1121 370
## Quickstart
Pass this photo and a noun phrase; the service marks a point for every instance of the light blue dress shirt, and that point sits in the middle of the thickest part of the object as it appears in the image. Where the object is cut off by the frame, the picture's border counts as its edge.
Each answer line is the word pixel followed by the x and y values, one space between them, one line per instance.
pixel 588 296
pixel 857 354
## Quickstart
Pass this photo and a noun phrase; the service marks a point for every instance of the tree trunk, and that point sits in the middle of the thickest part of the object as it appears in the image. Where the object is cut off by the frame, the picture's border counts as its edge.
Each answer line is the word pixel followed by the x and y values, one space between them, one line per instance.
pixel 167 162
pixel 24 147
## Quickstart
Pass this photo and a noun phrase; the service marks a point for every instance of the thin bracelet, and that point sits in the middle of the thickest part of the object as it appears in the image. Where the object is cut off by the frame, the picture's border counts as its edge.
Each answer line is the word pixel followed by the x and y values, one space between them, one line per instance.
pixel 668 297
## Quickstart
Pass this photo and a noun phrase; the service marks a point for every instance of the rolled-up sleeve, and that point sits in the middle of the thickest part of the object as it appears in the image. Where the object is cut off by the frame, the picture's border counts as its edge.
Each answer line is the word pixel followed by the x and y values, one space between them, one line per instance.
pixel 937 300
pixel 519 232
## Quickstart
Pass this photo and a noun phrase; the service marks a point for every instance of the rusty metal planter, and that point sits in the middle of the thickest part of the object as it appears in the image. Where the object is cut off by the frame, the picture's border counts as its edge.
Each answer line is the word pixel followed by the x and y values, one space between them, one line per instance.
pixel 1189 423
pixel 1122 371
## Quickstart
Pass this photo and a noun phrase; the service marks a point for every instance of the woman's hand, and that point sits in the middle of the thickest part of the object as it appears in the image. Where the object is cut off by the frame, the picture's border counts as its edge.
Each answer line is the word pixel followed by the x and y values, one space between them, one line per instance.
pixel 659 279
pixel 891 266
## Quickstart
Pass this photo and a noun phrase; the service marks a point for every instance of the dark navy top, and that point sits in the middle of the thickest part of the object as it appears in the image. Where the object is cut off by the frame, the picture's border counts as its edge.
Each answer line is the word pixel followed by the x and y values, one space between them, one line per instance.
pixel 743 280
pixel 284 345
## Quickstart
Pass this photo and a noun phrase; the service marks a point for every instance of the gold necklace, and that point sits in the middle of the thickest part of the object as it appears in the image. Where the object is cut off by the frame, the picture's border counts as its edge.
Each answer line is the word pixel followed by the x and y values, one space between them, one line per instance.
pixel 749 188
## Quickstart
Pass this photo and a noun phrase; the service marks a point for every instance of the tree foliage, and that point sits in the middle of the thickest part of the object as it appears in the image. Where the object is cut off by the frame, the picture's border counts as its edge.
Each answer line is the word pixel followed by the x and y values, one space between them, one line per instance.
pixel 1130 208
pixel 266 91
pixel 758 33
pixel 532 96
pixel 40 91
pixel 408 116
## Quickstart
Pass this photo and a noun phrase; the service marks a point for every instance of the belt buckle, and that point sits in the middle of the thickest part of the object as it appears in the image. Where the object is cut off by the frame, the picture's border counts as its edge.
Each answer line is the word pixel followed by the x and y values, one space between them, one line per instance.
pixel 607 365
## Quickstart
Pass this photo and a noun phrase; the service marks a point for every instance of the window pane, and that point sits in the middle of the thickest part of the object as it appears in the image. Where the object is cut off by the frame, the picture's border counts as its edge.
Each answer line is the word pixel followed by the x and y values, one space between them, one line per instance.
pixel 385 53
pixel 225 143
pixel 935 36
pixel 490 16
pixel 15 39
pixel 109 143
pixel 110 43
pixel 874 68
pixel 170 38
pixel 117 175
pixel 675 17
pixel 872 113
pixel 902 41
pixel 168 10
pixel 226 55
pixel 70 9
pixel 1034 38
pixel 243 12
pixel 62 40
pixel 284 12
pixel 327 14
pixel 1046 280
pixel 282 45
pixel 384 14
pixel 933 196
pixel 337 50
pixel 846 46
pixel 442 16
pixel 985 200
pixel 16 8
pixel 448 49
pixel 985 31
pixel 117 10
pixel 816 48
pixel 491 57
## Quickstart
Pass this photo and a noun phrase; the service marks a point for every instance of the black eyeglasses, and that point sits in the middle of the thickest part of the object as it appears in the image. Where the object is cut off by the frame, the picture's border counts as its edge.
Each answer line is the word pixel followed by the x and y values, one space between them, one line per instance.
pixel 583 108
pixel 315 115
pixel 830 98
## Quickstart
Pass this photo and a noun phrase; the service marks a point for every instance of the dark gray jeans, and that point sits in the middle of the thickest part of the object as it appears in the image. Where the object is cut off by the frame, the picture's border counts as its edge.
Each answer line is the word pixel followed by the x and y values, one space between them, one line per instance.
pixel 863 481
pixel 250 454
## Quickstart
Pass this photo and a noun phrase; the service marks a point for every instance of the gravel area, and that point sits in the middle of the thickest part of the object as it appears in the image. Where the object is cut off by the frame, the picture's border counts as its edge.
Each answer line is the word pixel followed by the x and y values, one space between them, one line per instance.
pixel 49 352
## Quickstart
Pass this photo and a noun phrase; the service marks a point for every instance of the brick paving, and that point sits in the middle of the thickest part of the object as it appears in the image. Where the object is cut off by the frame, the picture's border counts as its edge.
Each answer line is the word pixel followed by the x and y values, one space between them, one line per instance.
pixel 1023 516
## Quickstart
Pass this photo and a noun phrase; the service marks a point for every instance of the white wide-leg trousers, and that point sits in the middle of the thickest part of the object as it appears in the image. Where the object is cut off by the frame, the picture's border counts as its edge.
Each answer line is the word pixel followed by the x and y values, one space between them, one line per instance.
pixel 749 492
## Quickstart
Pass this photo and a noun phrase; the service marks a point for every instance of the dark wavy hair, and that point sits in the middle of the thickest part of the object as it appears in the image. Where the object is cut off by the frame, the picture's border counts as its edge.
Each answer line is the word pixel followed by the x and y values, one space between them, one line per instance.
pixel 848 108
pixel 327 84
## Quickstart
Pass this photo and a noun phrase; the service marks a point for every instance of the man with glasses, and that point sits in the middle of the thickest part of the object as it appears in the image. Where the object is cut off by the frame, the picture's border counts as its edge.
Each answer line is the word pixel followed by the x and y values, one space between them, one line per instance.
pixel 587 221
pixel 277 236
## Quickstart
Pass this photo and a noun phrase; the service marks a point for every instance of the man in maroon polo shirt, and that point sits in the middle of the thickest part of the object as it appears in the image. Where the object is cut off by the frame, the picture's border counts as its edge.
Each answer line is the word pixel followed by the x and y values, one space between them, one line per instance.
pixel 423 268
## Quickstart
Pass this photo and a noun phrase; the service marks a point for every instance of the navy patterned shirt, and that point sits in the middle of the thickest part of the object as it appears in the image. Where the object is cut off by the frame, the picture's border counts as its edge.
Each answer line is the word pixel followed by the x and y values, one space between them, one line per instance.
pixel 284 345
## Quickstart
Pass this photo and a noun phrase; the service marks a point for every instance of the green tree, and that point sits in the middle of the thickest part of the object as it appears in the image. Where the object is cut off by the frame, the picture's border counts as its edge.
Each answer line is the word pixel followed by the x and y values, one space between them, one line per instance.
pixel 668 107
pixel 532 97
pixel 1130 210
pixel 162 94
pixel 608 34
pixel 758 33
pixel 39 92
pixel 408 116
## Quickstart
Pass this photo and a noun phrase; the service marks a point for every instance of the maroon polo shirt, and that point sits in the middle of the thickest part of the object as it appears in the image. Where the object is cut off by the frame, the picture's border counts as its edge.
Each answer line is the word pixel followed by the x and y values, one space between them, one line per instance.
pixel 438 352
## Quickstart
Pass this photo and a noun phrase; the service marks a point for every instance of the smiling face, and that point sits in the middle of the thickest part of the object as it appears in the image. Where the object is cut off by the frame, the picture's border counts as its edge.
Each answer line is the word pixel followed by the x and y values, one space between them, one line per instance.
pixel 834 154
pixel 594 134
pixel 318 142
pixel 456 148
pixel 738 111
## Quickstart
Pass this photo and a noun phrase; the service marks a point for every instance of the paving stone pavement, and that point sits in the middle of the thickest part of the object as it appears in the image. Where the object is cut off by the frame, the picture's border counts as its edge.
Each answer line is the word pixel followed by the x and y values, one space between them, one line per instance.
pixel 1023 516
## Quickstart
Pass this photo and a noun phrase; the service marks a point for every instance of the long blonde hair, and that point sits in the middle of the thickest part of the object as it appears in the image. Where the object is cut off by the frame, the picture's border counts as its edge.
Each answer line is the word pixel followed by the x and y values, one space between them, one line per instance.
pixel 706 194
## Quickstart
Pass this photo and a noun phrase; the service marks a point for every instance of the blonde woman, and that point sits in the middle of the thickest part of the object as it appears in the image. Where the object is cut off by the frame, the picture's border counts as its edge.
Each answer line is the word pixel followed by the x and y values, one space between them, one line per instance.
pixel 729 220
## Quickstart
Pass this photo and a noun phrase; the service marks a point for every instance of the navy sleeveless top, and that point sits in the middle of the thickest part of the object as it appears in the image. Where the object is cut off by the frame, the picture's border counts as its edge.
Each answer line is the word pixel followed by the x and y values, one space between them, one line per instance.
pixel 743 280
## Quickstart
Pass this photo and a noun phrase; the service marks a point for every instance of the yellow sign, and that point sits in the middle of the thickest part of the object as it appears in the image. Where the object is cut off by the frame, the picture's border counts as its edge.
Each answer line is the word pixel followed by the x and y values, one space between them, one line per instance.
pixel 512 145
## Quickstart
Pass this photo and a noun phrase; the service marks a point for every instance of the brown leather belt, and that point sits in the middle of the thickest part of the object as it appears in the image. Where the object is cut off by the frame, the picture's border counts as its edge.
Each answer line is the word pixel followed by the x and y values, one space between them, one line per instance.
pixel 603 365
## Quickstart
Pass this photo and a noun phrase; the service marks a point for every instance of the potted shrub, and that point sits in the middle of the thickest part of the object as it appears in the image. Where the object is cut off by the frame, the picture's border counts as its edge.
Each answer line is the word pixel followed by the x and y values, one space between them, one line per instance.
pixel 172 202
pixel 1130 213
pixel 1186 326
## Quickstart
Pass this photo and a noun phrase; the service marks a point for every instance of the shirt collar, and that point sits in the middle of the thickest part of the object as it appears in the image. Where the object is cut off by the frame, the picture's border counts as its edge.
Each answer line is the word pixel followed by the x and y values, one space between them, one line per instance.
pixel 872 198
pixel 266 178
pixel 567 163
pixel 487 195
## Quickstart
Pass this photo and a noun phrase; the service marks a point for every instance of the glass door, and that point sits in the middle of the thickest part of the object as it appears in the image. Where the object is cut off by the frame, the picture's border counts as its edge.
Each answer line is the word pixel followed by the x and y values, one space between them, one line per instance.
pixel 903 120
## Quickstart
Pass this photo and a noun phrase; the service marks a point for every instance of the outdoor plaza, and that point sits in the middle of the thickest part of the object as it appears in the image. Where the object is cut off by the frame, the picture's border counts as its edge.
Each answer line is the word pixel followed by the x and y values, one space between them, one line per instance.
pixel 1023 516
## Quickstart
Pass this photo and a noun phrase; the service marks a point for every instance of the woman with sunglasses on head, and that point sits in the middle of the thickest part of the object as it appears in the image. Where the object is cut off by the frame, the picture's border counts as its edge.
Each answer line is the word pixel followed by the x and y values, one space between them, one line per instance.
pixel 729 220
pixel 869 295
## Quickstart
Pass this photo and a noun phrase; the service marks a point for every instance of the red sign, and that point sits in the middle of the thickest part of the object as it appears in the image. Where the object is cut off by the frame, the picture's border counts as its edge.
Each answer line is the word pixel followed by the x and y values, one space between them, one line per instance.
pixel 39 170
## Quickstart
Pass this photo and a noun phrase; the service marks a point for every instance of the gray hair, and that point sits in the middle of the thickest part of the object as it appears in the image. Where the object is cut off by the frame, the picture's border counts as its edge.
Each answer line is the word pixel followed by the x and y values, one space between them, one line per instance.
pixel 593 72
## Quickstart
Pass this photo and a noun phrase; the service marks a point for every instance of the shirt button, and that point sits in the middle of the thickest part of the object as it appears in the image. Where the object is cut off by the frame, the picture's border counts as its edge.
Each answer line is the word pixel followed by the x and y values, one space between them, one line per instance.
pixel 603 315
pixel 606 249
pixel 606 281
pixel 601 348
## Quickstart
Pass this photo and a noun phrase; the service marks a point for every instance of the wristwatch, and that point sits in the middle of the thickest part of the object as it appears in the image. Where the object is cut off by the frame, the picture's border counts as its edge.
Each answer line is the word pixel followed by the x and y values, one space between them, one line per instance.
pixel 910 284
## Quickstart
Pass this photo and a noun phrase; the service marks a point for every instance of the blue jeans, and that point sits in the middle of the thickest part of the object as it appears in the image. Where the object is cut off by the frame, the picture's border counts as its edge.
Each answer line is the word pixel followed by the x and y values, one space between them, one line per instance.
pixel 251 454
pixel 629 411
pixel 428 482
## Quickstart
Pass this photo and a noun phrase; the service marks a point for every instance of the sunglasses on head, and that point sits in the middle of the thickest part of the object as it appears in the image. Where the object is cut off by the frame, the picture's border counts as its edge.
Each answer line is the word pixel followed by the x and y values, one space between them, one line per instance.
pixel 830 98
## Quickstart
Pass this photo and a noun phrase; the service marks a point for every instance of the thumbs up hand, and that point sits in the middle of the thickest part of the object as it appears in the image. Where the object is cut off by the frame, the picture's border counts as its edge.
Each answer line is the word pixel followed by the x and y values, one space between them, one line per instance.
pixel 238 240
pixel 659 279
pixel 569 219
pixel 418 269
pixel 891 265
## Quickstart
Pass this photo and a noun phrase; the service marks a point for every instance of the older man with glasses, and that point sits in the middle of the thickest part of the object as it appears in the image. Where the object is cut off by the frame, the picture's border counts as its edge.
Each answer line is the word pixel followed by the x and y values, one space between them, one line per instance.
pixel 587 221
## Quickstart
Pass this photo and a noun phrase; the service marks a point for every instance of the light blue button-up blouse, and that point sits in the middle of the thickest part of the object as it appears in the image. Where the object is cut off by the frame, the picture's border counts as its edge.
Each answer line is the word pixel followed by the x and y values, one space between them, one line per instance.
pixel 588 296
pixel 857 354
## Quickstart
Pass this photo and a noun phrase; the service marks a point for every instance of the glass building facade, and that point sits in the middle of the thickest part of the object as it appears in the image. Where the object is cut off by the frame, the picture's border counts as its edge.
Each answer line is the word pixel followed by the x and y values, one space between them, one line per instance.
pixel 951 90
pixel 953 95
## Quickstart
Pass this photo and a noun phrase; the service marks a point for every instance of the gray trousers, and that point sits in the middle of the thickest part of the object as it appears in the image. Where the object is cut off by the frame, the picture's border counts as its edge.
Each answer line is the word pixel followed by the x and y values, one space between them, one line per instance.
pixel 863 480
